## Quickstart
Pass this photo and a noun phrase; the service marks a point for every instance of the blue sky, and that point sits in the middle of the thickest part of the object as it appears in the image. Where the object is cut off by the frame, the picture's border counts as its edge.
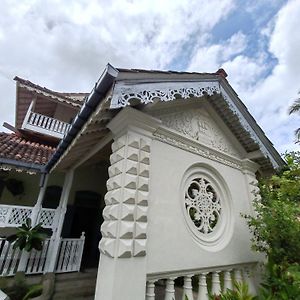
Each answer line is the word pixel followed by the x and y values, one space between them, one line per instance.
pixel 64 45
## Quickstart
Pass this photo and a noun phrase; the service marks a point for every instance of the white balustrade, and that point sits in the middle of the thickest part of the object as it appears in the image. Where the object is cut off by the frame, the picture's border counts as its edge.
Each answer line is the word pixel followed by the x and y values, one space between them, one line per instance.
pixel 69 259
pixel 150 290
pixel 15 216
pixel 70 254
pixel 220 279
pixel 46 125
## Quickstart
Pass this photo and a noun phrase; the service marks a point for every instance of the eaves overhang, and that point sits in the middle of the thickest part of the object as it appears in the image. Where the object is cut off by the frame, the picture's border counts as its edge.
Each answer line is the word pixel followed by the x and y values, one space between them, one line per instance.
pixel 138 88
pixel 91 102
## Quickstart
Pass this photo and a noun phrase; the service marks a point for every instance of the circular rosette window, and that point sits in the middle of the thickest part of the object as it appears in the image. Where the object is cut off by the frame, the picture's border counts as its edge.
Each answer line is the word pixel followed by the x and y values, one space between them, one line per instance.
pixel 203 205
pixel 207 207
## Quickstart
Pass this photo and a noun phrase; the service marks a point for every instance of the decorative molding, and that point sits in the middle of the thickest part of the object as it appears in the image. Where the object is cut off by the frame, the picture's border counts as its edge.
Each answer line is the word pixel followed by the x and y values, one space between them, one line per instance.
pixel 148 93
pixel 197 125
pixel 5 167
pixel 124 230
pixel 192 146
pixel 245 124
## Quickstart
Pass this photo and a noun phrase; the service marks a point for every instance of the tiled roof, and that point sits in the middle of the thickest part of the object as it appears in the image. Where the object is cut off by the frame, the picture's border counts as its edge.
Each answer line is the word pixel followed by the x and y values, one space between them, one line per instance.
pixel 76 98
pixel 14 147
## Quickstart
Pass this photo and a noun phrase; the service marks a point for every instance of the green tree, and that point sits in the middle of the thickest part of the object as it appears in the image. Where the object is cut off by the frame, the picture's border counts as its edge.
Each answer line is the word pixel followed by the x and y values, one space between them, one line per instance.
pixel 276 230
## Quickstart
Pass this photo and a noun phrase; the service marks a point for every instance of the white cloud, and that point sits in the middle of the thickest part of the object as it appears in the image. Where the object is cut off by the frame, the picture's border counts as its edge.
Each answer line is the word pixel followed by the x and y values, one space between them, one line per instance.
pixel 65 45
pixel 210 58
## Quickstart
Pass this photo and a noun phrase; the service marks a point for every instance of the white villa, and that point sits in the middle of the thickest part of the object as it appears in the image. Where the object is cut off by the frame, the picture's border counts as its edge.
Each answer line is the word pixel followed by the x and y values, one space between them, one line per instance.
pixel 164 162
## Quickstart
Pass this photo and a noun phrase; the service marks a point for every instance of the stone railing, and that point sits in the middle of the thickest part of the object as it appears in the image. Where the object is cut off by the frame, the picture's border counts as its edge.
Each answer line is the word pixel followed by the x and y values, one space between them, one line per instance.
pixel 198 284
pixel 15 215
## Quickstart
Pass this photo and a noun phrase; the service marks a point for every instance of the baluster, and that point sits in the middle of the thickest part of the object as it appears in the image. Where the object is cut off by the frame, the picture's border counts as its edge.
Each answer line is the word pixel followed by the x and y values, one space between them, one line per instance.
pixel 31 120
pixel 238 276
pixel 63 130
pixel 36 119
pixel 170 290
pixel 150 290
pixel 187 288
pixel 203 293
pixel 51 124
pixel 61 127
pixel 216 286
pixel 249 279
pixel 227 280
pixel 41 120
pixel 45 119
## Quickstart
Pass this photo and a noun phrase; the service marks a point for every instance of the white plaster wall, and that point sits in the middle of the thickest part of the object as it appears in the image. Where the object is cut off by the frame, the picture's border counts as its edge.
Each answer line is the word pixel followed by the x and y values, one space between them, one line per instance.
pixel 170 244
pixel 90 178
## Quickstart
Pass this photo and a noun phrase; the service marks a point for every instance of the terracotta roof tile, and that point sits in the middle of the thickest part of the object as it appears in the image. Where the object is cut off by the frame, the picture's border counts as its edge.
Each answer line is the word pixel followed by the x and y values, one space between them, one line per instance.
pixel 16 147
pixel 77 98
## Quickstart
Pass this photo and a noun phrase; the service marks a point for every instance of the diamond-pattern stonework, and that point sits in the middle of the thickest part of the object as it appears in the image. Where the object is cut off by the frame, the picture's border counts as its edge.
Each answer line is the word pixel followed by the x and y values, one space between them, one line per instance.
pixel 124 229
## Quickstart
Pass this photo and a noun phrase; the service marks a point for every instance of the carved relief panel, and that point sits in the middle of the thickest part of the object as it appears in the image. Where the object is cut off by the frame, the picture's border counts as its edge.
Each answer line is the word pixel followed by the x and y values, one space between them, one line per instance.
pixel 198 125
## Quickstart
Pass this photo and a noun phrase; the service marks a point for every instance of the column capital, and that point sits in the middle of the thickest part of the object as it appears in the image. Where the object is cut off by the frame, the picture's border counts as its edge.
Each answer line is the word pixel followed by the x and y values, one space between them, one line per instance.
pixel 130 119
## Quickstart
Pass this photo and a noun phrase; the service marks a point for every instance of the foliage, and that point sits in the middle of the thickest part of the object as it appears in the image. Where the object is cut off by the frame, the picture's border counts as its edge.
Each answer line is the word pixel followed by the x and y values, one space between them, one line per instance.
pixel 240 292
pixel 276 230
pixel 34 291
pixel 295 108
pixel 21 291
pixel 28 237
pixel 18 290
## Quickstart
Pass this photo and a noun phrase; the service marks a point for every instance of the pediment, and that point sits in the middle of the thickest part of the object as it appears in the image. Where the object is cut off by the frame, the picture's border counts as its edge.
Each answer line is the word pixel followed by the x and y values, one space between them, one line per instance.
pixel 198 125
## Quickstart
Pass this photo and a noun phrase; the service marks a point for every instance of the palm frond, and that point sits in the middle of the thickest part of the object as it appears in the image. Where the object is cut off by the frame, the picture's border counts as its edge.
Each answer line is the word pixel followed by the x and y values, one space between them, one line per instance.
pixel 295 107
pixel 297 134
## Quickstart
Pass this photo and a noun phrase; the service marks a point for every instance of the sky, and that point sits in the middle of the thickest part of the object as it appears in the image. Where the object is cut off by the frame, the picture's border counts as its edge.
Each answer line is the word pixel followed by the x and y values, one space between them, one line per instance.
pixel 65 45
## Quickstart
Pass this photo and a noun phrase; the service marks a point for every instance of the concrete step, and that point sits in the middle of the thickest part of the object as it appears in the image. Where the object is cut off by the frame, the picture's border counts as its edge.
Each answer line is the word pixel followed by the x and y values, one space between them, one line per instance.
pixel 75 286
pixel 73 275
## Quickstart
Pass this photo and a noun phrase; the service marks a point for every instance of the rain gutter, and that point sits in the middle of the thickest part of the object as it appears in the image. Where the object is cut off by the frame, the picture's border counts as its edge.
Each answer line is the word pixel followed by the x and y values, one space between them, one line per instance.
pixel 98 93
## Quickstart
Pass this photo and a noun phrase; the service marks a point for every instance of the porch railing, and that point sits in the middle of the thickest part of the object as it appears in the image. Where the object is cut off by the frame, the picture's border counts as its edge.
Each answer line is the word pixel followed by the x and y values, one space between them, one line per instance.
pixel 46 125
pixel 208 281
pixel 15 215
pixel 70 254
pixel 69 258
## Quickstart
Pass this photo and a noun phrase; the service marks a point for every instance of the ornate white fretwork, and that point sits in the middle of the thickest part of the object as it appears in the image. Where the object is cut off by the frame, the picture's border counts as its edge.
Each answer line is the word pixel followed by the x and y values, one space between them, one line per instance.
pixel 203 205
pixel 47 217
pixel 162 91
pixel 125 215
pixel 166 91
pixel 15 215
pixel 197 125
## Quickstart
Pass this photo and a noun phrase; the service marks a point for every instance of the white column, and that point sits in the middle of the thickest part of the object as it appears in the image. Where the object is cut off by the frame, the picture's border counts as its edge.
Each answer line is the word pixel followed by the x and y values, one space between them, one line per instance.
pixel 238 276
pixel 122 271
pixel 170 289
pixel 150 290
pixel 227 280
pixel 187 288
pixel 202 293
pixel 62 208
pixel 216 286
pixel 38 206
pixel 34 219
pixel 249 279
